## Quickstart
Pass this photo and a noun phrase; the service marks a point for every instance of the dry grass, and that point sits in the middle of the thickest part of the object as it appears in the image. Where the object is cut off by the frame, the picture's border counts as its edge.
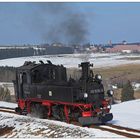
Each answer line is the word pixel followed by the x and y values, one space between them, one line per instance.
pixel 129 71
pixel 137 94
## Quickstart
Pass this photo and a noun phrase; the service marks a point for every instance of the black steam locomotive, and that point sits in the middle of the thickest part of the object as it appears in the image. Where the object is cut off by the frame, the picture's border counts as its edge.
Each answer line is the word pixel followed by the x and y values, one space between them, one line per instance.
pixel 43 90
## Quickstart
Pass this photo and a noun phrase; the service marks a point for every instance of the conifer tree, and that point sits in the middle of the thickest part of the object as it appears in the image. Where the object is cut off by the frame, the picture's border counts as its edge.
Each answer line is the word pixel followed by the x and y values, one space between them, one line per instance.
pixel 127 92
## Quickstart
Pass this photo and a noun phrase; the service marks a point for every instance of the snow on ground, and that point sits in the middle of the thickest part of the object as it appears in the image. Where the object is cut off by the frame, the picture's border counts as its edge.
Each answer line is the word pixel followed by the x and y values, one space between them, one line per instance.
pixel 72 60
pixel 127 114
pixel 7 104
pixel 27 127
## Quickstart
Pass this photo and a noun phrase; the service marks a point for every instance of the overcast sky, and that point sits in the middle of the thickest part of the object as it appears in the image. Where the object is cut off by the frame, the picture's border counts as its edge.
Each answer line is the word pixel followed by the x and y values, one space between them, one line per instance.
pixel 34 23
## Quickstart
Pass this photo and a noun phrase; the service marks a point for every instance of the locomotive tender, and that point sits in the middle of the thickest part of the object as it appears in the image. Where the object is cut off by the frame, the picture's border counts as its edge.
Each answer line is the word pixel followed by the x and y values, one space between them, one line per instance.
pixel 43 90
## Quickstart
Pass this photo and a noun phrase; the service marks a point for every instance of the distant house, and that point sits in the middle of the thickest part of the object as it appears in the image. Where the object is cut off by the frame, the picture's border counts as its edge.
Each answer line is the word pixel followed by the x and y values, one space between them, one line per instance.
pixel 125 48
pixel 136 86
pixel 114 86
pixel 126 51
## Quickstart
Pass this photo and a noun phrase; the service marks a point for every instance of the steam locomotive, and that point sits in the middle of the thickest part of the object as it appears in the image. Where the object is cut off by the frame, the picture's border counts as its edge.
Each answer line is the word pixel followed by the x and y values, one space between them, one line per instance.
pixel 43 90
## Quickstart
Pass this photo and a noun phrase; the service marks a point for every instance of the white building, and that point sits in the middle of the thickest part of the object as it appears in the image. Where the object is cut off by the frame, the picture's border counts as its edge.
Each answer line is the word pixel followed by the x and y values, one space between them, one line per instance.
pixel 8 85
pixel 126 51
pixel 136 86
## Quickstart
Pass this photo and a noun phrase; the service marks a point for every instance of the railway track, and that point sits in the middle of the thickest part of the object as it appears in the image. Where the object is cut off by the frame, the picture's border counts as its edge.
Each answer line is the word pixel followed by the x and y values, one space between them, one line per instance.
pixel 119 130
pixel 122 128
pixel 8 110
pixel 123 131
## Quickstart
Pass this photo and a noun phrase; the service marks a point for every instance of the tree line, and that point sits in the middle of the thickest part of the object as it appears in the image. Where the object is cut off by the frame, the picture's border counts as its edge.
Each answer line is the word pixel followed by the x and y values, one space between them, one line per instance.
pixel 15 52
pixel 7 74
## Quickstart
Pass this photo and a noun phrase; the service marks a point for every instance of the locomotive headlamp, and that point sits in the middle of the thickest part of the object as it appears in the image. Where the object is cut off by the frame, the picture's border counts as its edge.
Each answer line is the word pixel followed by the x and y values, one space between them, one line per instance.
pixel 85 95
pixel 110 93
pixel 98 77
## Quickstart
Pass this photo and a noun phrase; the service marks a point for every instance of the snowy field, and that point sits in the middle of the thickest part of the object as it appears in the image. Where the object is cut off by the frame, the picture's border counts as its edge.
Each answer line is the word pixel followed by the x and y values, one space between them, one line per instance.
pixel 126 114
pixel 72 60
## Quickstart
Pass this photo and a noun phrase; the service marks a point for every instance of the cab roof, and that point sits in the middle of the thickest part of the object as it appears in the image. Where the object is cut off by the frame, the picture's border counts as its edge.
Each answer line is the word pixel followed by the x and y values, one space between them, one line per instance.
pixel 28 65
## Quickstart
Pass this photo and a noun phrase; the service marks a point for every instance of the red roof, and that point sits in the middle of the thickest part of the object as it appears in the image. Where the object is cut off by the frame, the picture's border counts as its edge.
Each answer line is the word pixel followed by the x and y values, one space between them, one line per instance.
pixel 119 48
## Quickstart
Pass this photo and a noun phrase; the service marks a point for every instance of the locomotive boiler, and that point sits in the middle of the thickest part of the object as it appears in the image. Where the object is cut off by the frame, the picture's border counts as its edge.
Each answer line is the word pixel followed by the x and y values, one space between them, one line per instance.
pixel 43 90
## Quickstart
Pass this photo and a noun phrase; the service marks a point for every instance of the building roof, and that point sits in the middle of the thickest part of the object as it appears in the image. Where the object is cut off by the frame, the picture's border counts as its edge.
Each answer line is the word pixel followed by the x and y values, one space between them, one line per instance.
pixel 119 48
